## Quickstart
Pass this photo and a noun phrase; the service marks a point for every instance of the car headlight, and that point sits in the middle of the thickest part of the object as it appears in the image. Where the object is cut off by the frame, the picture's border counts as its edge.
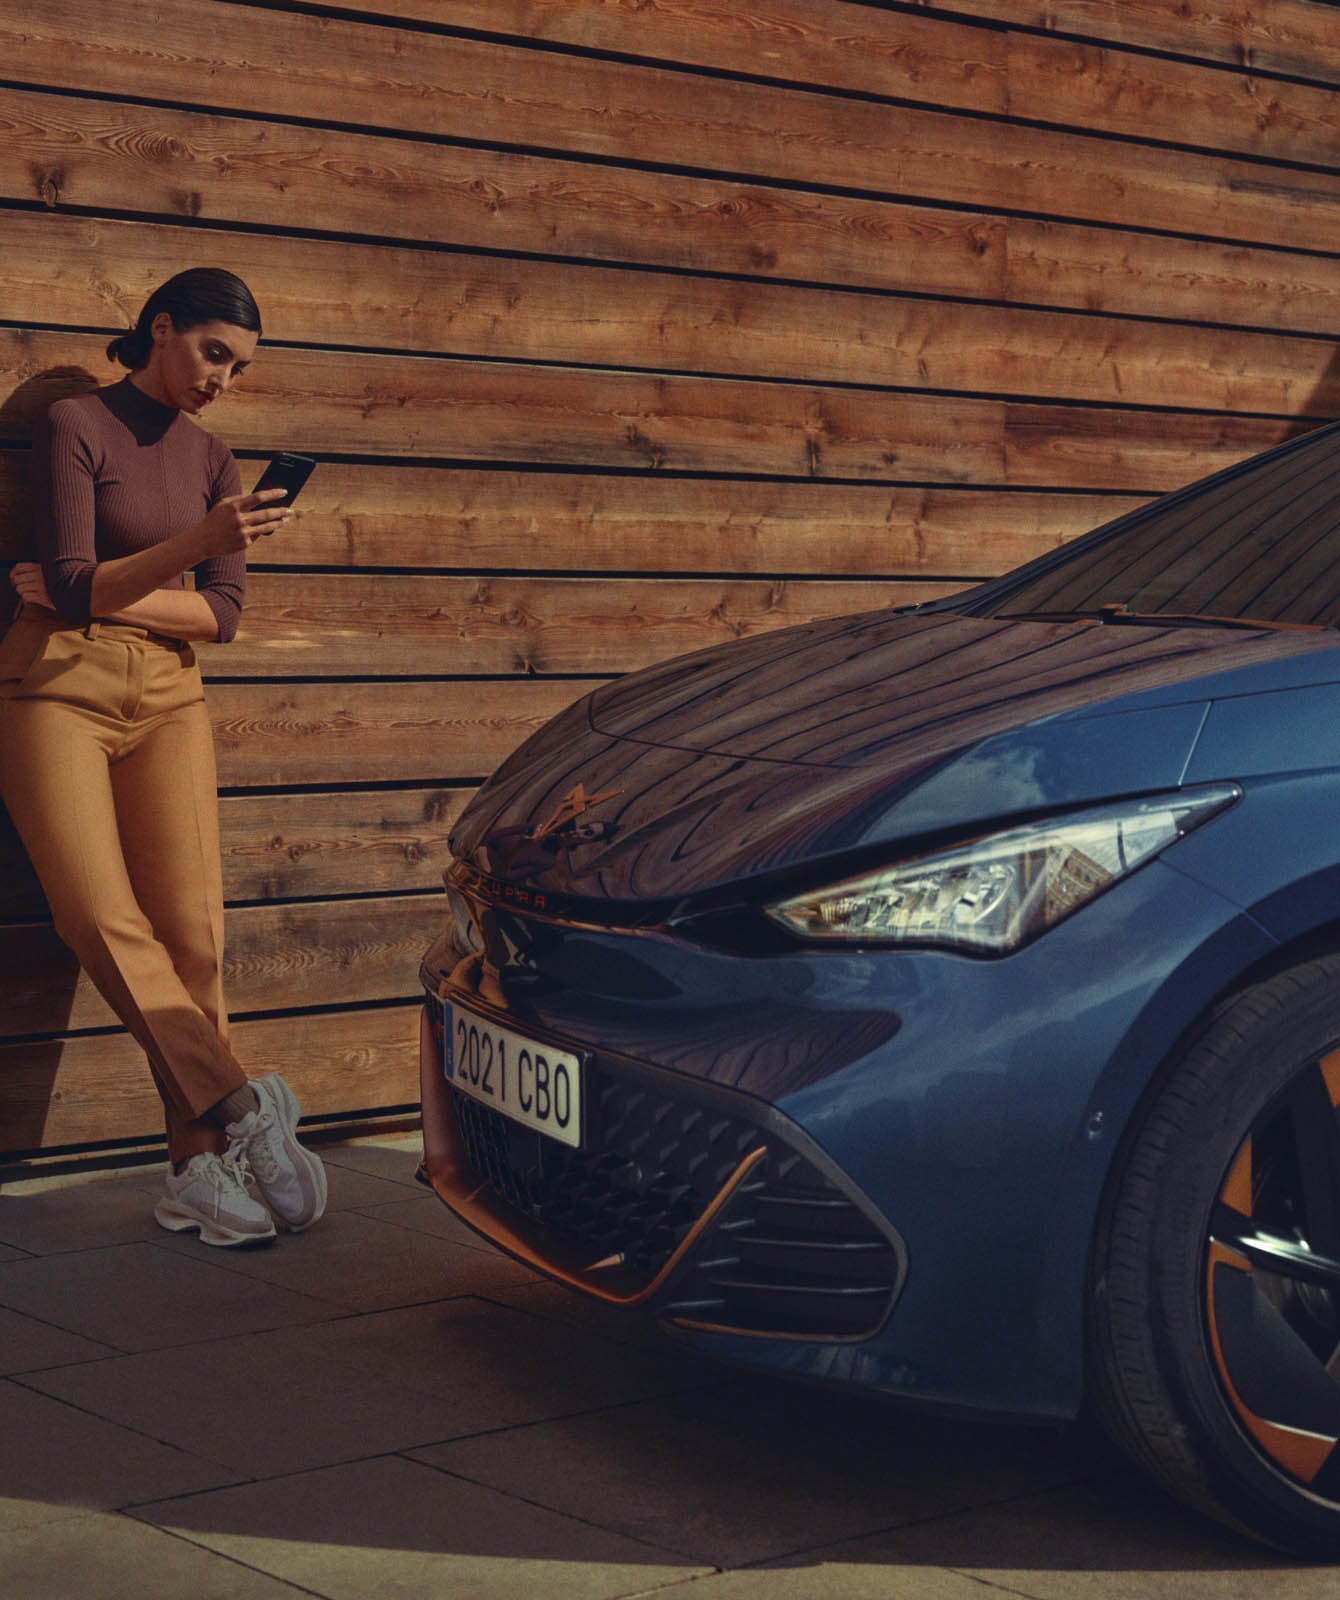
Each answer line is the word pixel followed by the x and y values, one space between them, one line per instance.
pixel 998 892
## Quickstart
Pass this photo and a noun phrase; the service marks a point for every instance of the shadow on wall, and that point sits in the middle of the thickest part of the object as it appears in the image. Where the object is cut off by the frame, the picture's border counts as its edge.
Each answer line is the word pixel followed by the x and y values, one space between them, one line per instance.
pixel 37 967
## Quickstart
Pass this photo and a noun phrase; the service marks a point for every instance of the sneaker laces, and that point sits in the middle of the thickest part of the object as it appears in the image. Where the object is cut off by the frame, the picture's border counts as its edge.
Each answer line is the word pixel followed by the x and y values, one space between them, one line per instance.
pixel 230 1173
pixel 264 1162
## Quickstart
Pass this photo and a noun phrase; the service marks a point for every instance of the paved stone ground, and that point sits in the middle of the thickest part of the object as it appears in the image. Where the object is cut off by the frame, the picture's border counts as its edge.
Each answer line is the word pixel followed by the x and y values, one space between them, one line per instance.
pixel 385 1406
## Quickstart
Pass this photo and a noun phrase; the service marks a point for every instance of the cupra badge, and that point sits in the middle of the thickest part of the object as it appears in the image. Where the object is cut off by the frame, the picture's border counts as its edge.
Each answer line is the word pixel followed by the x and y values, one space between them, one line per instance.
pixel 573 805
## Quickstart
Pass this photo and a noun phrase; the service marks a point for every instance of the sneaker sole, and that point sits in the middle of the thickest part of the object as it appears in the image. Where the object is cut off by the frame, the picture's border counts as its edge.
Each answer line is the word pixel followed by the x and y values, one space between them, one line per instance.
pixel 289 1102
pixel 175 1221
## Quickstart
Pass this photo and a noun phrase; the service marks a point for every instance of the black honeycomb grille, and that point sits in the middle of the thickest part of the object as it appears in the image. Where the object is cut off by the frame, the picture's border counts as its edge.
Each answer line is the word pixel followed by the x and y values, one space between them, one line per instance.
pixel 790 1253
pixel 649 1166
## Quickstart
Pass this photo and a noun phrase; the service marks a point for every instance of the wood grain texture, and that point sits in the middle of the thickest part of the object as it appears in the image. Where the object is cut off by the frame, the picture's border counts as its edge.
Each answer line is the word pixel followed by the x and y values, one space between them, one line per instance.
pixel 97 272
pixel 547 311
pixel 1296 37
pixel 483 411
pixel 825 42
pixel 304 954
pixel 1141 96
pixel 278 735
pixel 97 1088
pixel 1152 275
pixel 382 626
pixel 491 412
pixel 389 515
pixel 289 64
pixel 250 59
pixel 63 150
pixel 1121 449
pixel 858 46
pixel 298 846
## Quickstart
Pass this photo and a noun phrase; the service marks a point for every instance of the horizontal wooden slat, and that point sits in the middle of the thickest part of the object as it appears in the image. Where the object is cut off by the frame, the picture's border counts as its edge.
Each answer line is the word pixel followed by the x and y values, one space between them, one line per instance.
pixel 180 165
pixel 278 735
pixel 66 151
pixel 857 46
pixel 298 846
pixel 394 515
pixel 1152 275
pixel 1297 37
pixel 284 63
pixel 406 516
pixel 279 846
pixel 306 625
pixel 97 1088
pixel 303 399
pixel 323 953
pixel 487 411
pixel 807 41
pixel 1126 448
pixel 293 65
pixel 1141 96
pixel 558 312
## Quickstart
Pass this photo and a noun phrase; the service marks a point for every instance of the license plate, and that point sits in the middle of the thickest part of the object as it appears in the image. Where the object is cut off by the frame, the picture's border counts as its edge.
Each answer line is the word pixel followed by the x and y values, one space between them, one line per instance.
pixel 531 1083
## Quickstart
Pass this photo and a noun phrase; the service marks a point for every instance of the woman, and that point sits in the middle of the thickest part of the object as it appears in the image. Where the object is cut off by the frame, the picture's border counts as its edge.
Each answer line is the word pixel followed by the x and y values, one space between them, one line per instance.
pixel 106 753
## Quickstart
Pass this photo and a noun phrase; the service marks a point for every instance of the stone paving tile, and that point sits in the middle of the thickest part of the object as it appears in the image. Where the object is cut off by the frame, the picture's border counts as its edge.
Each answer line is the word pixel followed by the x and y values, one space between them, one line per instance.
pixel 313 1396
pixel 352 1189
pixel 425 1213
pixel 542 1298
pixel 392 1526
pixel 761 1469
pixel 27 1345
pixel 1120 1539
pixel 501 1368
pixel 84 1215
pixel 269 1407
pixel 75 1462
pixel 831 1580
pixel 394 1159
pixel 113 1557
pixel 141 1297
pixel 354 1262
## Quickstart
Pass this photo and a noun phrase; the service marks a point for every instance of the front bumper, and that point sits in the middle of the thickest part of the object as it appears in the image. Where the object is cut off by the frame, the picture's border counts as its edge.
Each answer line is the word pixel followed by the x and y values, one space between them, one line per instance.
pixel 972 1106
pixel 702 1205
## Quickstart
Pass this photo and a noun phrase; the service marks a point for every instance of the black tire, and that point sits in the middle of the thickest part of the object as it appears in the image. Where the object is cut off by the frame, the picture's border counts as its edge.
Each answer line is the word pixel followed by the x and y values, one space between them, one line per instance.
pixel 1214 1308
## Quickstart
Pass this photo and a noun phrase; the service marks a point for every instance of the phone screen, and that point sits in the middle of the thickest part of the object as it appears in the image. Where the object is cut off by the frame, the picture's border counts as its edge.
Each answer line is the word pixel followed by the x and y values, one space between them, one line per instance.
pixel 288 472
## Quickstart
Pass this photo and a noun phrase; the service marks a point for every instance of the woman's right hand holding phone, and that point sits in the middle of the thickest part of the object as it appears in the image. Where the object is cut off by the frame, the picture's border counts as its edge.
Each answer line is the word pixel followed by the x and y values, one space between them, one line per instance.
pixel 237 521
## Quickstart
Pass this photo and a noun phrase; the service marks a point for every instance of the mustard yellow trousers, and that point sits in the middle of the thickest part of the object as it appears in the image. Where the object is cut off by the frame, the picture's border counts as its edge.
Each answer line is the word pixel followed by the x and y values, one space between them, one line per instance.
pixel 107 770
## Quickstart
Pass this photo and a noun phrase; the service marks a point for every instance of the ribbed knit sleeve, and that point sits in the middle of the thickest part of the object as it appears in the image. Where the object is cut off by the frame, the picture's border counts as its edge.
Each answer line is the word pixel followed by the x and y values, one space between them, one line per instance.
pixel 66 535
pixel 222 580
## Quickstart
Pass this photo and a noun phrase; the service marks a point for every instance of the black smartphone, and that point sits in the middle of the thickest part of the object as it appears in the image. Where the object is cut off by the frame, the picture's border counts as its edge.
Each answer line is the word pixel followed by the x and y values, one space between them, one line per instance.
pixel 286 472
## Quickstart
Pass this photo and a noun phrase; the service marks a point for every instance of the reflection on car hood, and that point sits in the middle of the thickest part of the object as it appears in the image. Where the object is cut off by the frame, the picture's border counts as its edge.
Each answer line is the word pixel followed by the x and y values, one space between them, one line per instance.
pixel 824 739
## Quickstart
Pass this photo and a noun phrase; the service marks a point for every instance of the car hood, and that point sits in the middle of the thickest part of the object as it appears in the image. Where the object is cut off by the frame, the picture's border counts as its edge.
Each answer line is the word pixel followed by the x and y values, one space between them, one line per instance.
pixel 829 738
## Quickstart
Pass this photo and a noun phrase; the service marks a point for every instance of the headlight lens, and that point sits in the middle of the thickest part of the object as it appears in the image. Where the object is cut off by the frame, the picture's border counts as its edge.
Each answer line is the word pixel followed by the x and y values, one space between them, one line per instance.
pixel 998 892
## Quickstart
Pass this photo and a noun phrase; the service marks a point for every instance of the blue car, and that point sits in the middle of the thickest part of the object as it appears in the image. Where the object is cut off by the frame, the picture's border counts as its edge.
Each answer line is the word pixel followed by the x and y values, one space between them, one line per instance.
pixel 947 1000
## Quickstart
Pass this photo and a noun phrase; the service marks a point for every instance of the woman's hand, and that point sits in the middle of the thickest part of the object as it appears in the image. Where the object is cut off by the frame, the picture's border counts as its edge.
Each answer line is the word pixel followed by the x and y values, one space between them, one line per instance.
pixel 31 585
pixel 236 522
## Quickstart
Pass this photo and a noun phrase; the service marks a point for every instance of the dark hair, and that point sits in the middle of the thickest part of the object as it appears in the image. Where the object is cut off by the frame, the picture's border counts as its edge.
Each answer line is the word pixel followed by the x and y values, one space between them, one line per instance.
pixel 201 294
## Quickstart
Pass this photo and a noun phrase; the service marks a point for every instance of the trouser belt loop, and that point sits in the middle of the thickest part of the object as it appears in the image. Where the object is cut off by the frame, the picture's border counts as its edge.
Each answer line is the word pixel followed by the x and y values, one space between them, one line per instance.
pixel 91 632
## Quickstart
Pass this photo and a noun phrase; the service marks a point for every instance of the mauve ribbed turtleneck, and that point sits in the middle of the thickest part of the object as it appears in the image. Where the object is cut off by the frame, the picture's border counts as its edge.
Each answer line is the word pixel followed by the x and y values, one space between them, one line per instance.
pixel 117 472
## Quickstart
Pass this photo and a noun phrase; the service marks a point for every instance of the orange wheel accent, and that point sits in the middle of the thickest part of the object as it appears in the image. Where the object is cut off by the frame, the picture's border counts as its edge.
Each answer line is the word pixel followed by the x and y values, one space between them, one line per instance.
pixel 1301 1454
pixel 1330 1070
pixel 1237 1190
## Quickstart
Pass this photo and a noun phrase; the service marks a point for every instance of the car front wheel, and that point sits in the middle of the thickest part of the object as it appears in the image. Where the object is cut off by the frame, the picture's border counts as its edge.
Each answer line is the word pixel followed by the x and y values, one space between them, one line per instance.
pixel 1214 1328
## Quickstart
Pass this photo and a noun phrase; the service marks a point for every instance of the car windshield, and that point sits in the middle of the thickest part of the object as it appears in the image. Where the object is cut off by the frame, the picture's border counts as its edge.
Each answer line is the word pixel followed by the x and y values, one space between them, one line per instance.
pixel 1259 542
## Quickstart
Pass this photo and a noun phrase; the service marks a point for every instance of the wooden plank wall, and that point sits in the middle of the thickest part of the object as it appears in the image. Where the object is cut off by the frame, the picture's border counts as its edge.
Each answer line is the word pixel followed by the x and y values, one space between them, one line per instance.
pixel 621 327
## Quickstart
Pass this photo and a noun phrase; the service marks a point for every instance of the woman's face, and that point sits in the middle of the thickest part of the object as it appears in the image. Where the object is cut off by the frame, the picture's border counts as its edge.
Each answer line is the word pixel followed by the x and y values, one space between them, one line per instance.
pixel 191 368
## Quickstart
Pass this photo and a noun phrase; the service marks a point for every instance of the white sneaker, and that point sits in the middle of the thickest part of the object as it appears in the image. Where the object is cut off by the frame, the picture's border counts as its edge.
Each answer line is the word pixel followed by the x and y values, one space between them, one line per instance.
pixel 210 1193
pixel 291 1180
